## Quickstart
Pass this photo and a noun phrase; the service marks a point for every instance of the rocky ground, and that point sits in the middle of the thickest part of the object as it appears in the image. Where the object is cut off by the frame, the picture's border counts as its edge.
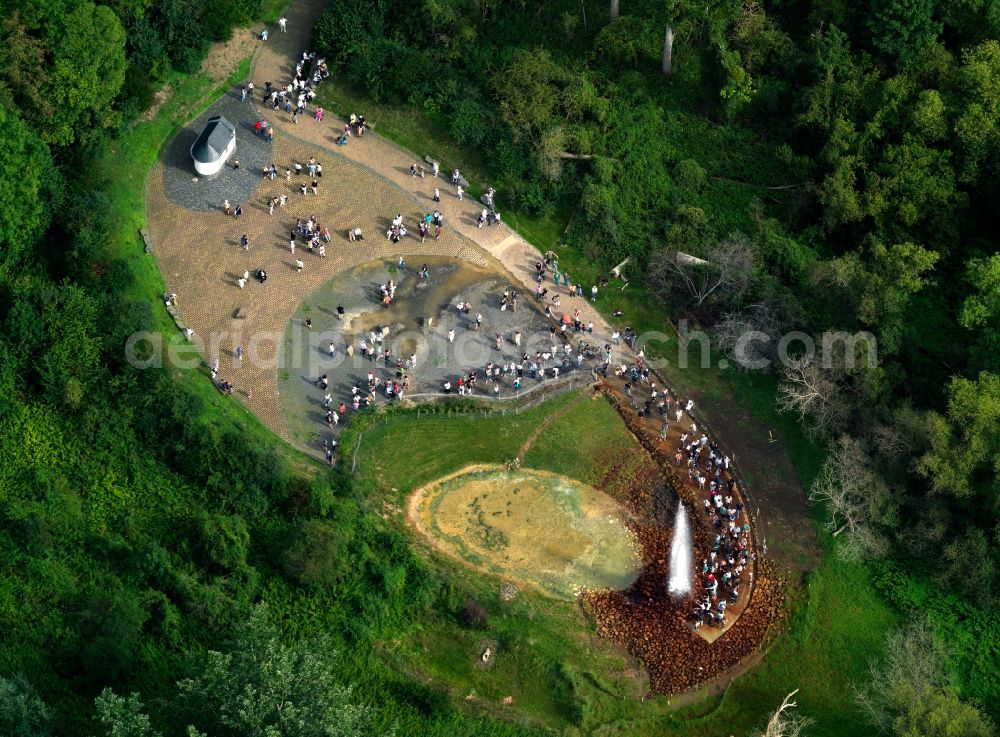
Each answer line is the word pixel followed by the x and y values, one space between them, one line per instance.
pixel 652 625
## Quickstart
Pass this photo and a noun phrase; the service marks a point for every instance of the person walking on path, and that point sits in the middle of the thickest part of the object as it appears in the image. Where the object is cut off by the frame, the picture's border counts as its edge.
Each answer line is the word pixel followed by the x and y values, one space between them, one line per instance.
pixel 283 25
pixel 299 265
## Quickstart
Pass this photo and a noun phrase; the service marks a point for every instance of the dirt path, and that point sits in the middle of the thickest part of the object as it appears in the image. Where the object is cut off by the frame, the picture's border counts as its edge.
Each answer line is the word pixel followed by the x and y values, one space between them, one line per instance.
pixel 544 425
pixel 219 63
pixel 372 179
pixel 273 63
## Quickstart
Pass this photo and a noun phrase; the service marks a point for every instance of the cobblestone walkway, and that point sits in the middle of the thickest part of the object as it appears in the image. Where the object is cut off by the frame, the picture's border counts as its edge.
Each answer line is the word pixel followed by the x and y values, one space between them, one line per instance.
pixel 201 260
pixel 184 188
pixel 363 184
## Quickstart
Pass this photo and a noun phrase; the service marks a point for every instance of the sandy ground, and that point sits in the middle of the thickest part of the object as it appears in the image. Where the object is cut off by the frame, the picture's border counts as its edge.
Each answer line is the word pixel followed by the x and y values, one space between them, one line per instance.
pixel 543 529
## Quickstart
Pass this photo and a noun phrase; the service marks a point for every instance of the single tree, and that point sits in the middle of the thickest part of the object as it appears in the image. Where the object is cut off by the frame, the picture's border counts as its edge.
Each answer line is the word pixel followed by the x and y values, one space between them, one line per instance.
pixel 856 500
pixel 725 271
pixel 265 687
pixel 912 692
pixel 781 723
pixel 123 717
pixel 964 457
pixel 903 29
pixel 982 307
pixel 813 392
pixel 22 712
pixel 88 71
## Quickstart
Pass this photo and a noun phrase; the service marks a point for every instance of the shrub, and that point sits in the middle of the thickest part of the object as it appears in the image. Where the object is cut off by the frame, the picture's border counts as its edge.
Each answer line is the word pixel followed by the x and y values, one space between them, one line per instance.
pixel 222 540
pixel 469 123
pixel 112 625
pixel 317 553
pixel 691 175
pixel 473 614
pixel 430 701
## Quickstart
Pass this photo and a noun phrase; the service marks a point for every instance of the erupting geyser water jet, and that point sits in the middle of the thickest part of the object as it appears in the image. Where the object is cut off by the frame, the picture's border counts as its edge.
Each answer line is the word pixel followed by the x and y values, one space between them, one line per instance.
pixel 680 554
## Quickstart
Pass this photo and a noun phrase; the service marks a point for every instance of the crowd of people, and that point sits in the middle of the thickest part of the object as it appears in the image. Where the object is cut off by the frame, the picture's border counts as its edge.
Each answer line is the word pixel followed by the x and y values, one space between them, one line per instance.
pixel 725 571
pixel 568 346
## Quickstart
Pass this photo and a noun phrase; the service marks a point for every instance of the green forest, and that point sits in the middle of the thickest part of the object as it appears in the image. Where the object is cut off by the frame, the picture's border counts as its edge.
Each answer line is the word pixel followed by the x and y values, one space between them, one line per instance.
pixel 170 567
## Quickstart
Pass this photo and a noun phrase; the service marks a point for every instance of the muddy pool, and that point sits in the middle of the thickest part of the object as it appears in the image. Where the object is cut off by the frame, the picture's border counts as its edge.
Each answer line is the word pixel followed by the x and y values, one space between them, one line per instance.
pixel 540 528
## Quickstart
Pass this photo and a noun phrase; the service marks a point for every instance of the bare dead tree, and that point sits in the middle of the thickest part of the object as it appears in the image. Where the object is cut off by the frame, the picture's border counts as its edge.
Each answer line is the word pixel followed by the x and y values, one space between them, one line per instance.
pixel 749 337
pixel 728 268
pixel 614 10
pixel 812 392
pixel 852 492
pixel 915 664
pixel 782 724
pixel 668 51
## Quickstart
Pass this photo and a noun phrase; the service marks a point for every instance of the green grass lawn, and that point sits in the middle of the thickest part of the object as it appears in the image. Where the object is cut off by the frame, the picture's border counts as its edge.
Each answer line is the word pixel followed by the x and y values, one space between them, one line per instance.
pixel 558 672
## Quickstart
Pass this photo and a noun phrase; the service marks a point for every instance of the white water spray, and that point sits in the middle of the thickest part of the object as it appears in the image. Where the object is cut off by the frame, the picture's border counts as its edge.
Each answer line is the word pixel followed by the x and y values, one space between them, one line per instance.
pixel 680 554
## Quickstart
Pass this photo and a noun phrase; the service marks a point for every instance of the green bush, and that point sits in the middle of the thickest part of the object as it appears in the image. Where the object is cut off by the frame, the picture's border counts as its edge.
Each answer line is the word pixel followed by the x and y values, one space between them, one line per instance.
pixel 470 123
pixel 222 541
pixel 428 700
pixel 691 175
pixel 318 553
pixel 111 628
pixel 348 28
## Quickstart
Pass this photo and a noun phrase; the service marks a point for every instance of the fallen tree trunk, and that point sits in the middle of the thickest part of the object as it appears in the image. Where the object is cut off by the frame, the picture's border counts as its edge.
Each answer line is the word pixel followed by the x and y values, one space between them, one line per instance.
pixel 762 186
pixel 668 51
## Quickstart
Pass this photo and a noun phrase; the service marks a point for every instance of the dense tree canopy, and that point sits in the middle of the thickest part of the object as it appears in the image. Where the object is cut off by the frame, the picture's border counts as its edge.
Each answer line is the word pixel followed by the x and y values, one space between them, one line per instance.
pixel 819 166
pixel 22 205
pixel 854 150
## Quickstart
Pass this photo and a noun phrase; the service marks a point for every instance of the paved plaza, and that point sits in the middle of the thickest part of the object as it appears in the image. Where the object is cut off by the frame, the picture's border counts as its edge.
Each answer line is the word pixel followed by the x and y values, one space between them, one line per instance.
pixel 258 329
pixel 363 185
